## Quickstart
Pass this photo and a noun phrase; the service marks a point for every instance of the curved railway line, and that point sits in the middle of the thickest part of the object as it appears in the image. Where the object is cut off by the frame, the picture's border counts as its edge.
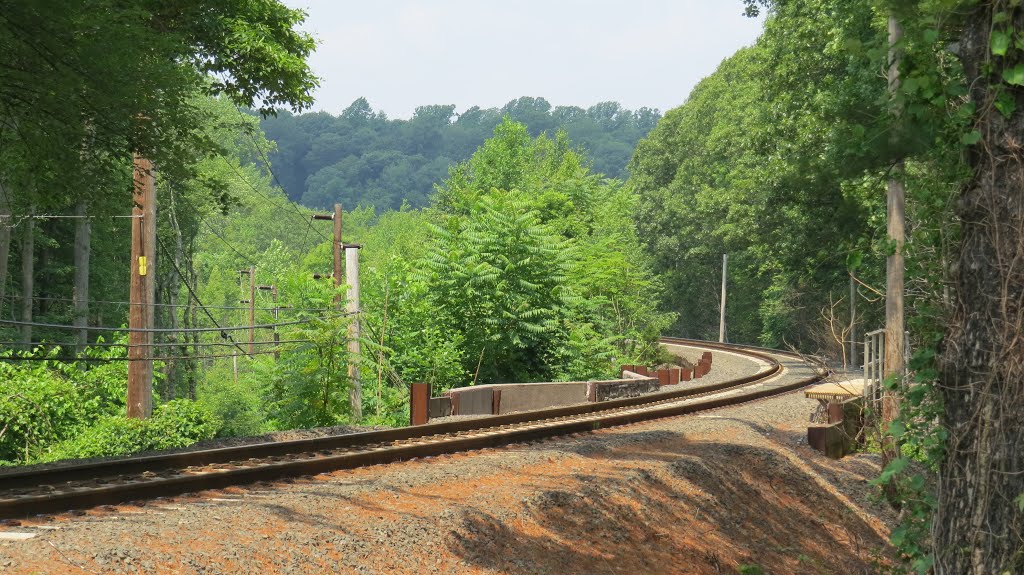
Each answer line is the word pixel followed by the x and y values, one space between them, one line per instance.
pixel 37 491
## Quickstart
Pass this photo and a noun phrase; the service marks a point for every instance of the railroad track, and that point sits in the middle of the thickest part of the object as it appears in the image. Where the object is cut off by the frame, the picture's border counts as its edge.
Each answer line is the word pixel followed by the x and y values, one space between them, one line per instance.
pixel 29 492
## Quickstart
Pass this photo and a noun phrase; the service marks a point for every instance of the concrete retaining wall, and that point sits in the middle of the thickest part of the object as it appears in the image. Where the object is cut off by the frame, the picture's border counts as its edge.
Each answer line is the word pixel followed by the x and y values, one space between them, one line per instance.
pixel 672 375
pixel 530 396
pixel 514 397
pixel 619 388
pixel 439 407
pixel 477 400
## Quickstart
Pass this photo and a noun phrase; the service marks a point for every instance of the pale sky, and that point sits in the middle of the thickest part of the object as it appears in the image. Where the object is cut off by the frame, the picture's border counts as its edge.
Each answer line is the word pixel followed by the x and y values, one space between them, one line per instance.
pixel 400 54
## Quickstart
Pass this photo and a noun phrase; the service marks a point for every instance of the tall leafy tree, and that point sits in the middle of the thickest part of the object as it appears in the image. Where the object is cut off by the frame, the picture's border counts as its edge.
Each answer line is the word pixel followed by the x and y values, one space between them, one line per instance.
pixel 363 158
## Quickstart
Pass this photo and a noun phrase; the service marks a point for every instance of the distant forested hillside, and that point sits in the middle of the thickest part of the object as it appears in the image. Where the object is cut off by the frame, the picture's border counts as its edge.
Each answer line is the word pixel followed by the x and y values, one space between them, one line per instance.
pixel 362 158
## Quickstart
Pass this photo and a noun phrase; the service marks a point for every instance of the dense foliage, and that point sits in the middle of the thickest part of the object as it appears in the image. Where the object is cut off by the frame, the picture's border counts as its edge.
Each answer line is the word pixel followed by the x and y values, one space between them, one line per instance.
pixel 57 410
pixel 513 259
pixel 767 161
pixel 781 158
pixel 524 269
pixel 363 158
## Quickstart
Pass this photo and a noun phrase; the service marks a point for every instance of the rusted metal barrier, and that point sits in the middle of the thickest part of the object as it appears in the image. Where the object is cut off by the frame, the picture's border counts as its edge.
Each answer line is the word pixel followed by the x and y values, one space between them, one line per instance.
pixel 419 404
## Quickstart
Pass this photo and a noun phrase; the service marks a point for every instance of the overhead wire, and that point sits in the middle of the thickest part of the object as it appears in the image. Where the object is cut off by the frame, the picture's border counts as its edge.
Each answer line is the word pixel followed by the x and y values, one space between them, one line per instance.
pixel 105 344
pixel 308 221
pixel 177 305
pixel 223 333
pixel 251 260
pixel 114 359
pixel 273 175
pixel 216 329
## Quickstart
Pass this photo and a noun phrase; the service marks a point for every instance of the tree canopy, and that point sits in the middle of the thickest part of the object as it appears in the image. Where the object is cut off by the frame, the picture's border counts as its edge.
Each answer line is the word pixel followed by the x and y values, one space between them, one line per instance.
pixel 363 158
pixel 118 78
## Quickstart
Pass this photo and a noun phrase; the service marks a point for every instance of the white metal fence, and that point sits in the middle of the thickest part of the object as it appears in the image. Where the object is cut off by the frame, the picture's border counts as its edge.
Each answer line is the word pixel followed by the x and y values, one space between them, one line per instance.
pixel 874 365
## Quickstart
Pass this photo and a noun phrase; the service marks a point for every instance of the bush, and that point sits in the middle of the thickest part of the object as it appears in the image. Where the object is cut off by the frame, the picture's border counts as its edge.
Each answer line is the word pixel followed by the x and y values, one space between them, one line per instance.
pixel 38 406
pixel 237 405
pixel 177 423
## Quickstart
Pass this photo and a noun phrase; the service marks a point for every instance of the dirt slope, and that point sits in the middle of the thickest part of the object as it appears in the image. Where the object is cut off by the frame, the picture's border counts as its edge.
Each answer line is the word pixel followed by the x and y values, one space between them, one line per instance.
pixel 733 491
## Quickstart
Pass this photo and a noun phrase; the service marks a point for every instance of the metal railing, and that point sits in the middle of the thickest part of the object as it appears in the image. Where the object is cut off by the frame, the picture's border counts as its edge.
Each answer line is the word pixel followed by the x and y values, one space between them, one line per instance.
pixel 874 365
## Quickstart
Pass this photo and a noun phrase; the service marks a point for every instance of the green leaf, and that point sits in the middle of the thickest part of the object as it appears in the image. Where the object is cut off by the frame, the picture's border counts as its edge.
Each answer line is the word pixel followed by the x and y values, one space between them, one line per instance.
pixel 895 466
pixel 1014 76
pixel 1005 104
pixel 897 429
pixel 931 35
pixel 1020 502
pixel 1000 42
pixel 971 138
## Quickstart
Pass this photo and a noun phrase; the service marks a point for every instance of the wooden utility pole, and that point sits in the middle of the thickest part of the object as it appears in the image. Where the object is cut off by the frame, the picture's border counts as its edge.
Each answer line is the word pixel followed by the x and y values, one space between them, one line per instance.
pixel 252 310
pixel 274 311
pixel 853 322
pixel 27 278
pixel 251 302
pixel 352 275
pixel 142 291
pixel 894 330
pixel 83 243
pixel 337 254
pixel 721 320
pixel 6 222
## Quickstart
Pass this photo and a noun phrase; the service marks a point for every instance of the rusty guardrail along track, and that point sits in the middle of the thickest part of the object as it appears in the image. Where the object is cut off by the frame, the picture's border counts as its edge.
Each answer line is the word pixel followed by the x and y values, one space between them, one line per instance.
pixel 26 492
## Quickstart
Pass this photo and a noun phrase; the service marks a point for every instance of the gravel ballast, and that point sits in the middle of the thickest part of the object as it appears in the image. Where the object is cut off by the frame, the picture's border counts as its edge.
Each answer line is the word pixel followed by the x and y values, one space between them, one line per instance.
pixel 704 493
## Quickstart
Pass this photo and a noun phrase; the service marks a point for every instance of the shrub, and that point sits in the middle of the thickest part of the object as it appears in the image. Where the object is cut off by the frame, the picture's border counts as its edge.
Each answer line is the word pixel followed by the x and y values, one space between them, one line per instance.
pixel 237 405
pixel 38 406
pixel 177 423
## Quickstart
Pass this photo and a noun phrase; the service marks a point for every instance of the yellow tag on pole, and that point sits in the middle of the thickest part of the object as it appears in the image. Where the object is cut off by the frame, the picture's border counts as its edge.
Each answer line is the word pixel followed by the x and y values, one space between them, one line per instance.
pixel 142 265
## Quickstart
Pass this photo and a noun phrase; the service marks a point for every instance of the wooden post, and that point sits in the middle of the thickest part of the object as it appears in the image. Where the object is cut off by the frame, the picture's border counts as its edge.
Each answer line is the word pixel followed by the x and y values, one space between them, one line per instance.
pixel 352 276
pixel 277 335
pixel 252 310
pixel 853 322
pixel 6 221
pixel 894 331
pixel 273 294
pixel 27 278
pixel 83 242
pixel 337 253
pixel 141 292
pixel 721 321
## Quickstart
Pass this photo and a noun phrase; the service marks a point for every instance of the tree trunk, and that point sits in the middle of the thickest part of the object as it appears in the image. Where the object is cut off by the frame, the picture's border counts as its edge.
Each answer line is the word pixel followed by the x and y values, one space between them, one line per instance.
pixel 893 365
pixel 6 221
pixel 27 278
pixel 978 527
pixel 83 248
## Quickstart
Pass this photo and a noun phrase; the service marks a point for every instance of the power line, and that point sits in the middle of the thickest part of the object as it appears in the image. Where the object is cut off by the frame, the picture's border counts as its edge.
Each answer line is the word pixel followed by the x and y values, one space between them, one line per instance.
pixel 273 175
pixel 127 303
pixel 113 359
pixel 168 329
pixel 163 344
pixel 248 259
pixel 18 220
pixel 61 217
pixel 223 333
pixel 289 204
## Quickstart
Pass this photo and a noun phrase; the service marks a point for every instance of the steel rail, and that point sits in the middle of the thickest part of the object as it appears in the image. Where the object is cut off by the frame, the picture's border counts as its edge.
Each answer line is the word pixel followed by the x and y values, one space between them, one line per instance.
pixel 27 491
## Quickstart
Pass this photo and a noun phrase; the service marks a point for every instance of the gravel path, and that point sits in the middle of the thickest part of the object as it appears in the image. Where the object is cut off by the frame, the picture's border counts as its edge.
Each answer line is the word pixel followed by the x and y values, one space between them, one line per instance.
pixel 696 494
